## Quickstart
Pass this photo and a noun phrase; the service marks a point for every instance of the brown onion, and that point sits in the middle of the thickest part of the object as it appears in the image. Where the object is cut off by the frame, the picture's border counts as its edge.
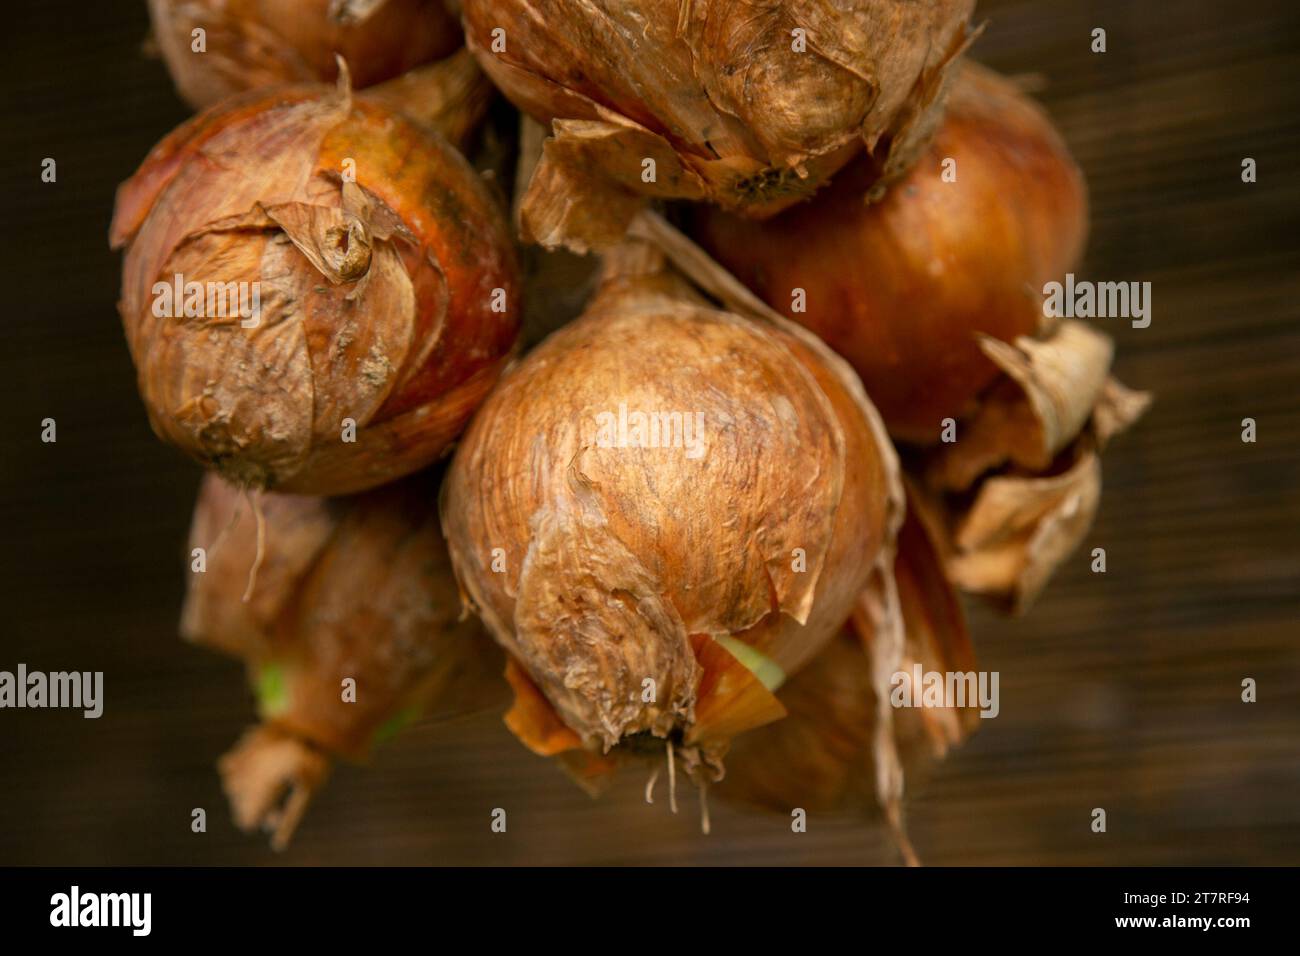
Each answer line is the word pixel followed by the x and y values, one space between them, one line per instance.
pixel 657 587
pixel 844 747
pixel 356 588
pixel 747 105
pixel 250 44
pixel 935 295
pixel 385 274
pixel 904 287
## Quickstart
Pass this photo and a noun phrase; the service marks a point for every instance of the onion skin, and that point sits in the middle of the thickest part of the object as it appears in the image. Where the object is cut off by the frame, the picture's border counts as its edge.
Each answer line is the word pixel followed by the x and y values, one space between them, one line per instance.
pixel 357 587
pixel 902 287
pixel 820 757
pixel 824 756
pixel 252 44
pixel 618 561
pixel 377 295
pixel 754 125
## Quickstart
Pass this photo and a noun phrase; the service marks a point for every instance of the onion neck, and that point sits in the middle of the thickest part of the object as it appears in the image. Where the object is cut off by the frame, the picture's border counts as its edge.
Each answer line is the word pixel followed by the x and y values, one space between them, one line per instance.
pixel 631 259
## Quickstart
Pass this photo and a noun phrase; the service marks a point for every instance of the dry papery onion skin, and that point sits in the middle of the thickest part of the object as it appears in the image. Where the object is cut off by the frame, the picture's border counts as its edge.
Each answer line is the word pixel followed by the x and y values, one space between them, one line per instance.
pixel 252 44
pixel 906 287
pixel 1017 495
pixel 311 592
pixel 844 747
pixel 451 96
pixel 748 106
pixel 387 280
pixel 621 563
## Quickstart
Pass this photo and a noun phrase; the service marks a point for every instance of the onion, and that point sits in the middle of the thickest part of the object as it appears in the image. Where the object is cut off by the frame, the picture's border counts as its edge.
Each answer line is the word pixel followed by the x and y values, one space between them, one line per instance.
pixel 904 287
pixel 355 588
pixel 251 44
pixel 388 299
pixel 844 747
pixel 747 105
pixel 934 295
pixel 657 584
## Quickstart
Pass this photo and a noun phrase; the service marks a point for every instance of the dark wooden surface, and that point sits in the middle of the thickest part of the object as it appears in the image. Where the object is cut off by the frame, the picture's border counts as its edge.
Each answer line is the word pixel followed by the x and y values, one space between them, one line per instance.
pixel 1118 691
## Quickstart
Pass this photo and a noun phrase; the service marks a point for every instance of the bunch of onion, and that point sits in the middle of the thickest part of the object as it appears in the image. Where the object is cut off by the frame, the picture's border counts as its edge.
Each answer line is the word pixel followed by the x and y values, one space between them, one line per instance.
pixel 386 277
pixel 653 586
pixel 843 747
pixel 748 106
pixel 250 44
pixel 353 589
pixel 934 294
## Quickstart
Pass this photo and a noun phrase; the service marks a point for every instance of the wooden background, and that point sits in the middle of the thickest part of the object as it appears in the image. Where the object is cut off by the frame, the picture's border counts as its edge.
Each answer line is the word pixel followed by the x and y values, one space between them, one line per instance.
pixel 1119 691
